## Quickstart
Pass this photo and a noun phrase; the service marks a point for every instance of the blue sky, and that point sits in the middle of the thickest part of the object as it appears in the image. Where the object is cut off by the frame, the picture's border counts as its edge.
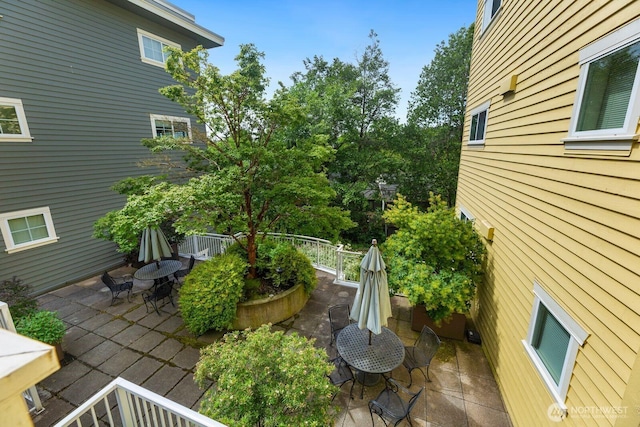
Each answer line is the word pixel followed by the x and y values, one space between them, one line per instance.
pixel 289 31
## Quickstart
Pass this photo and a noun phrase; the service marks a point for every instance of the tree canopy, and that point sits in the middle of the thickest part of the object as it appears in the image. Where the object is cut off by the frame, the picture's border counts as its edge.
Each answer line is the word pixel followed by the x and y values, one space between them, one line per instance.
pixel 248 176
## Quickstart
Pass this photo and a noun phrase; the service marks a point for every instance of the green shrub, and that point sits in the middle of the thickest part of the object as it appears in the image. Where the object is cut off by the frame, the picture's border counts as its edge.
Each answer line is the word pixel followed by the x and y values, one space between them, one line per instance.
pixel 265 378
pixel 211 292
pixel 434 258
pixel 288 267
pixel 16 294
pixel 43 326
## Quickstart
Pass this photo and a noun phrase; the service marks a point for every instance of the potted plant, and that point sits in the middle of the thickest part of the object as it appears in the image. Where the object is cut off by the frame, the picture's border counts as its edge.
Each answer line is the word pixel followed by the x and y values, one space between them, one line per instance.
pixel 264 378
pixel 435 259
pixel 43 326
pixel 218 294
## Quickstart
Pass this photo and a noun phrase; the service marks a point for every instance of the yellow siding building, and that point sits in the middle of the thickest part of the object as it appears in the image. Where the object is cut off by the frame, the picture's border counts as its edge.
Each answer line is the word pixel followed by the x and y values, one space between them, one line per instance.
pixel 550 175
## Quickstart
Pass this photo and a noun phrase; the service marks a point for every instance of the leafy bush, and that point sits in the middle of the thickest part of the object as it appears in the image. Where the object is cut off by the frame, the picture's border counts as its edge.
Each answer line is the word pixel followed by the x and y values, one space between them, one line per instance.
pixel 288 267
pixel 265 378
pixel 16 294
pixel 434 258
pixel 211 292
pixel 43 326
pixel 280 264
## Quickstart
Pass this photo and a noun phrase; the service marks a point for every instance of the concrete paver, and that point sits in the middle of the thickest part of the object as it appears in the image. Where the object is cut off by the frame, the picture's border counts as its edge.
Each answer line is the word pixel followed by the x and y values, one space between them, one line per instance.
pixel 105 341
pixel 165 379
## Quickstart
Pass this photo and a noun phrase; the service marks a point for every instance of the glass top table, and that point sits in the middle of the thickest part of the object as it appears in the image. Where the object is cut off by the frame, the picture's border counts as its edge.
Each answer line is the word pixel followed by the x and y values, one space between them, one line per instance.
pixel 153 272
pixel 385 353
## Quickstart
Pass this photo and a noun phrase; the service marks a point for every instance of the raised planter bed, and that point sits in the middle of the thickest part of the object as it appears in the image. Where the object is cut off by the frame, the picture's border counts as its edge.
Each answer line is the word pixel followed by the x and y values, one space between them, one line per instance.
pixel 253 314
pixel 449 328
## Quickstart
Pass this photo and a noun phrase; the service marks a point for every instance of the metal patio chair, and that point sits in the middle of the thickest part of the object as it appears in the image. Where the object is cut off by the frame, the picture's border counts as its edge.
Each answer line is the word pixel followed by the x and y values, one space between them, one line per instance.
pixel 339 319
pixel 117 285
pixel 394 404
pixel 159 292
pixel 420 354
pixel 182 273
pixel 341 375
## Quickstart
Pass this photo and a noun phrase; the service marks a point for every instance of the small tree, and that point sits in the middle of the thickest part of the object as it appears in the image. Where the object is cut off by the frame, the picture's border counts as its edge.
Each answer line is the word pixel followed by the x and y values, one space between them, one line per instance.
pixel 249 177
pixel 264 378
pixel 434 258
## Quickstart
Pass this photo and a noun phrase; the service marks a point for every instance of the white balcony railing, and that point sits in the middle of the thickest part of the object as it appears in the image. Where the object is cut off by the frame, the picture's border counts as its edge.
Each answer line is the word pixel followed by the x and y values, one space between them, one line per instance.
pixel 122 403
pixel 324 256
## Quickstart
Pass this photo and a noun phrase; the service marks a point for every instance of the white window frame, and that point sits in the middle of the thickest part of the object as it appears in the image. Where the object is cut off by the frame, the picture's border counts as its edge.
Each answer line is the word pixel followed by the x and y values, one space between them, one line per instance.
pixel 155 117
pixel 11 247
pixel 476 112
pixel 25 135
pixel 164 42
pixel 576 340
pixel 487 17
pixel 620 139
pixel 465 215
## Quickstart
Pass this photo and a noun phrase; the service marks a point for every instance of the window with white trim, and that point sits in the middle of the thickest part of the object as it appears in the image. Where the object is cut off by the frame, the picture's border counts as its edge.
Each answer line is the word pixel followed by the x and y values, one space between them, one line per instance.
pixel 152 48
pixel 465 215
pixel 491 8
pixel 552 343
pixel 479 124
pixel 27 229
pixel 13 121
pixel 177 127
pixel 606 111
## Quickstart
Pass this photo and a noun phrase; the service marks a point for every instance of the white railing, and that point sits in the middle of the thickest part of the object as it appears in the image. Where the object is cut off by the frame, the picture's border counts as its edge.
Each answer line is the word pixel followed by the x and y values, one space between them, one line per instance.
pixel 324 255
pixel 134 406
pixel 31 394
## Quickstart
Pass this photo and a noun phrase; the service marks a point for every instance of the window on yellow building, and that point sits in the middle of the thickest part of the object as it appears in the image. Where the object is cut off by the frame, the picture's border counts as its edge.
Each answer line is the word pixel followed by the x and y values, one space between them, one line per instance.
pixel 478 127
pixel 552 343
pixel 607 107
pixel 491 8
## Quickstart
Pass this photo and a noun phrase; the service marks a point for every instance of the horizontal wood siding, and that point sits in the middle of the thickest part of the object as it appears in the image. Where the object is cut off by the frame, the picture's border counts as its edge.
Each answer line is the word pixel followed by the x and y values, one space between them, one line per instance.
pixel 569 222
pixel 87 97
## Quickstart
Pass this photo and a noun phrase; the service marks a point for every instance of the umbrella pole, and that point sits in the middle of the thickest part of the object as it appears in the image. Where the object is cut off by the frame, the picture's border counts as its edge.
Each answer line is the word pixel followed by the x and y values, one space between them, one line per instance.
pixel 369 337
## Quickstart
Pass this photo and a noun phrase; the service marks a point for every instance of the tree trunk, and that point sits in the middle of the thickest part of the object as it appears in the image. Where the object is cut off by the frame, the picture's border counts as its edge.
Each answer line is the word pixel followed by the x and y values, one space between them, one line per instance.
pixel 252 254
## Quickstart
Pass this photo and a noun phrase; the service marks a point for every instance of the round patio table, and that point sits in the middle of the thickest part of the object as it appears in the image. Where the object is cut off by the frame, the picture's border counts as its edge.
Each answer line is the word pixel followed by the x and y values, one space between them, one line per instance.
pixel 385 353
pixel 152 272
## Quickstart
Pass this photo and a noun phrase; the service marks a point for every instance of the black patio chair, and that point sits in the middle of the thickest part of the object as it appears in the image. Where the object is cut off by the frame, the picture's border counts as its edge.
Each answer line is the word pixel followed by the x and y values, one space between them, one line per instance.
pixel 117 285
pixel 339 319
pixel 394 404
pixel 341 375
pixel 420 354
pixel 162 290
pixel 182 273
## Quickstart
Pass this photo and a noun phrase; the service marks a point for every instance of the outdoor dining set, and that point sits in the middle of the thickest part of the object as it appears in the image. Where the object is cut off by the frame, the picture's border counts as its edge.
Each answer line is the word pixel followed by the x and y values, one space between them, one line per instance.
pixel 164 268
pixel 368 351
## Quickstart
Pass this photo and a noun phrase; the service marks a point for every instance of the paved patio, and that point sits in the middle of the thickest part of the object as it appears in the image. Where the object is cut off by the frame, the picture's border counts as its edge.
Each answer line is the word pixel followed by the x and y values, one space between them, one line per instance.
pixel 158 353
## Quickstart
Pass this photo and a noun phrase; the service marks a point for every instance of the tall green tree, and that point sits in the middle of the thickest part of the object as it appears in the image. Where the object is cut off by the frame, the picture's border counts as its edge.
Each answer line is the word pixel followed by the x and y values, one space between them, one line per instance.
pixel 435 121
pixel 249 177
pixel 353 105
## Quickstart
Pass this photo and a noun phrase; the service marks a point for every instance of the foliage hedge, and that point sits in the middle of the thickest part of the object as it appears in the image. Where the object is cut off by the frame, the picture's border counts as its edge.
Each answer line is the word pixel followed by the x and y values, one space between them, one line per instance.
pixel 210 293
pixel 264 378
pixel 434 257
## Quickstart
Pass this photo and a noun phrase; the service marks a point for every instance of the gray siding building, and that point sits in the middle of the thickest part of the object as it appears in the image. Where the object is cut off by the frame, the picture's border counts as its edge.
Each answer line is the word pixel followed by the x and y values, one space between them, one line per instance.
pixel 79 87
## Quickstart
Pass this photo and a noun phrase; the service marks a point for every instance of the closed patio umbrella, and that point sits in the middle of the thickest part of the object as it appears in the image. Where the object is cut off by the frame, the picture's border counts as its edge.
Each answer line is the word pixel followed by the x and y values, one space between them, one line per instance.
pixel 153 245
pixel 372 305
